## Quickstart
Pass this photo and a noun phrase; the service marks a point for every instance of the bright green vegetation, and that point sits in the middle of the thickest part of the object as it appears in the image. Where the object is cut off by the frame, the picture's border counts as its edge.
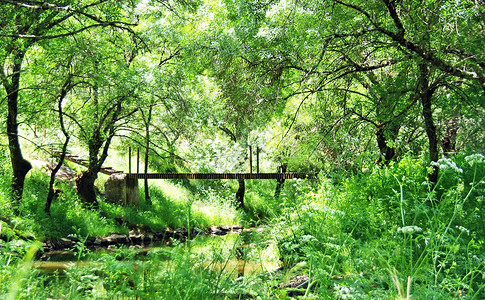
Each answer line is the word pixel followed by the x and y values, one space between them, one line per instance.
pixel 383 100
pixel 364 237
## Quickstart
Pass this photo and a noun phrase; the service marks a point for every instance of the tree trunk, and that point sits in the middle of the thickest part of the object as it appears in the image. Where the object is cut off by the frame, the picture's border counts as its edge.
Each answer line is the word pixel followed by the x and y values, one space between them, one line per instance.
pixel 240 193
pixel 85 181
pixel 280 182
pixel 85 188
pixel 448 143
pixel 148 200
pixel 99 141
pixel 50 196
pixel 52 192
pixel 242 185
pixel 426 102
pixel 383 135
pixel 20 166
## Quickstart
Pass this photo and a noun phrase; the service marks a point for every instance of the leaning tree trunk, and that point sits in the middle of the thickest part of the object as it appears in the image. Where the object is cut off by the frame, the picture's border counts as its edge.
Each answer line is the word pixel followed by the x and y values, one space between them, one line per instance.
pixel 51 194
pixel 20 166
pixel 426 102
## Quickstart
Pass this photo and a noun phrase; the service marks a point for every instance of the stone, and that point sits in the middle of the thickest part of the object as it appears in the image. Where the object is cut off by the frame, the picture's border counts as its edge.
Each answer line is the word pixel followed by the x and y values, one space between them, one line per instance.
pixel 122 190
pixel 98 241
pixel 117 238
pixel 64 243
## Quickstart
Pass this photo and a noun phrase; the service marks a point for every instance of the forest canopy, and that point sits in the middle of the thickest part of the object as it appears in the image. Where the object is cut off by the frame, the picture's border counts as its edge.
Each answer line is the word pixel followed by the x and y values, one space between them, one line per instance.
pixel 318 85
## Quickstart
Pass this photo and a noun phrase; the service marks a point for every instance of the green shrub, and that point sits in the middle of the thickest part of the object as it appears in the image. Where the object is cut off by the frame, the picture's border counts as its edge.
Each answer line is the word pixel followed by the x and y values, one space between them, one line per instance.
pixel 391 224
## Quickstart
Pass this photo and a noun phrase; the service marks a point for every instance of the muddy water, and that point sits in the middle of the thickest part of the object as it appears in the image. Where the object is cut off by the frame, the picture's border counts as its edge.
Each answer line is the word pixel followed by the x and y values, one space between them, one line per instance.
pixel 231 266
pixel 240 254
pixel 59 267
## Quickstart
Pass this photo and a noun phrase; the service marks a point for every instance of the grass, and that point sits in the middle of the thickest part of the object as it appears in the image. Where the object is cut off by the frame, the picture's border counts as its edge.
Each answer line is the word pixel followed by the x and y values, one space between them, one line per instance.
pixel 173 205
pixel 387 233
pixel 384 234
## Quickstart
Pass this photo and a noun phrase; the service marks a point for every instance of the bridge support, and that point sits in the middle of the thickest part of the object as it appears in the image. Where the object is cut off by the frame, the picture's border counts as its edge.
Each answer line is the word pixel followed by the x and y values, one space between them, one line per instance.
pixel 240 193
pixel 122 190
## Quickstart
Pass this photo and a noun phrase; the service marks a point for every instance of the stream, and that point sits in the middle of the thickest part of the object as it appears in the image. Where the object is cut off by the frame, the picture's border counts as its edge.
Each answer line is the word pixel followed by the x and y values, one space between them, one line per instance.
pixel 238 252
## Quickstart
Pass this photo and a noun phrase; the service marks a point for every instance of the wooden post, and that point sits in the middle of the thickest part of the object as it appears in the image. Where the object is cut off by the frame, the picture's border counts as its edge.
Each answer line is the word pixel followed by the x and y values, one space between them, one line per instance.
pixel 250 159
pixel 138 160
pixel 257 160
pixel 240 193
pixel 280 182
pixel 129 160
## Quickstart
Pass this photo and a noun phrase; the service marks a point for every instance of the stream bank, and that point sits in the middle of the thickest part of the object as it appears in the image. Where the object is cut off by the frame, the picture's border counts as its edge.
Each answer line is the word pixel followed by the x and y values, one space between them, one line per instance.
pixel 241 254
pixel 139 235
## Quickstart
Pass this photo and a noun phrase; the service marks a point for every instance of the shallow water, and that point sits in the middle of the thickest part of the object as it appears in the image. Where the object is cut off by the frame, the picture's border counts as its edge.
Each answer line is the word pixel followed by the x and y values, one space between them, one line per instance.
pixel 231 266
pixel 238 254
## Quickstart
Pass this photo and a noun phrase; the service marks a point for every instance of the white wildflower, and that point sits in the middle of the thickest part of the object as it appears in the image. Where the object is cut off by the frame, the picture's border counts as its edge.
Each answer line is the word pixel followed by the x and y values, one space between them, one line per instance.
pixel 463 229
pixel 409 229
pixel 447 164
pixel 475 159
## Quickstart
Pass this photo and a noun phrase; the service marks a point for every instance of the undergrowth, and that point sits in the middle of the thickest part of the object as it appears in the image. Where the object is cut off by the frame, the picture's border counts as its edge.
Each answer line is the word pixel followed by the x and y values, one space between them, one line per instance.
pixel 391 233
pixel 387 233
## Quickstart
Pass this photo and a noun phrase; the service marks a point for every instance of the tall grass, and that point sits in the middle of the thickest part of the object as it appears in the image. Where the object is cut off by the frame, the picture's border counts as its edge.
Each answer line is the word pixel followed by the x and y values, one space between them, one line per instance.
pixel 386 233
pixel 389 232
pixel 178 272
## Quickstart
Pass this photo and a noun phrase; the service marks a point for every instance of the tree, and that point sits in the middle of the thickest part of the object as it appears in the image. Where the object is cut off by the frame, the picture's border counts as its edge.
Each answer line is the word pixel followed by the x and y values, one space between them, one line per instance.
pixel 427 33
pixel 126 74
pixel 68 85
pixel 331 46
pixel 104 103
pixel 24 24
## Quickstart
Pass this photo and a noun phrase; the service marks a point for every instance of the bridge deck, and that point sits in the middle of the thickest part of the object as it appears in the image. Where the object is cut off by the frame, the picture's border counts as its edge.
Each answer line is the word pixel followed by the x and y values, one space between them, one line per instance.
pixel 218 175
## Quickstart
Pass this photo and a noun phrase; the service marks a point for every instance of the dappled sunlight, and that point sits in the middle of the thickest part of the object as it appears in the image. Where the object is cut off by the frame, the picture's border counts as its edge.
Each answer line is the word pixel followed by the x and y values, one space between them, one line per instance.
pixel 174 191
pixel 215 214
pixel 230 149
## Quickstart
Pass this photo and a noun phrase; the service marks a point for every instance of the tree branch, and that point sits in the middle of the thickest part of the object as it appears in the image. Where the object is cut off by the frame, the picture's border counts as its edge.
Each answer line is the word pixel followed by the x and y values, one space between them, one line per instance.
pixel 71 33
pixel 44 26
pixel 412 47
pixel 395 17
pixel 228 132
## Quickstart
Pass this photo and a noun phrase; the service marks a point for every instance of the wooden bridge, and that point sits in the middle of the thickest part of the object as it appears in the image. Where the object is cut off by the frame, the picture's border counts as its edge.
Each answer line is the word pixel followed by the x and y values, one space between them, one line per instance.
pixel 237 176
pixel 218 175
pixel 123 187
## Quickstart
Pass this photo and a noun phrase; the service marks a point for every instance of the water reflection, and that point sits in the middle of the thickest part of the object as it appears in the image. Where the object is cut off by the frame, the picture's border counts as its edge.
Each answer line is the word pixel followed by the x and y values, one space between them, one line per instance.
pixel 241 254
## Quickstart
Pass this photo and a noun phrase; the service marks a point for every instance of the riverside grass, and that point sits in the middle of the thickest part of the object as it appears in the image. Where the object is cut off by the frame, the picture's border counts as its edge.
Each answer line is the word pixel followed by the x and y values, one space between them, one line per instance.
pixel 385 234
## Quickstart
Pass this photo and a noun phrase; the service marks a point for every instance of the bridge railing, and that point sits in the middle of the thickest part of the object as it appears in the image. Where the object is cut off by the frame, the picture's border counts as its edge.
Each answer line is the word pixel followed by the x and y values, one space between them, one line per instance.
pixel 219 175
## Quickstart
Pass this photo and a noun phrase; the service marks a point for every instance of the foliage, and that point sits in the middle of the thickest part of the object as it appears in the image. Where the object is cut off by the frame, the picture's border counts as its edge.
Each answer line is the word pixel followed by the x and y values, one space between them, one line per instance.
pixel 388 225
pixel 361 237
pixel 359 93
